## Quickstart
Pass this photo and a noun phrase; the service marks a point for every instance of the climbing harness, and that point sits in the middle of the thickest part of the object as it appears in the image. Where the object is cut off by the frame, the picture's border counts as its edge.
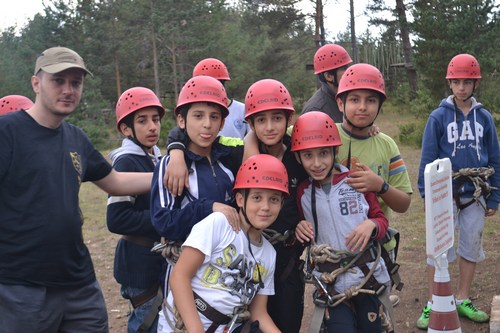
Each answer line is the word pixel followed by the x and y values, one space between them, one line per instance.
pixel 479 178
pixel 170 250
pixel 274 237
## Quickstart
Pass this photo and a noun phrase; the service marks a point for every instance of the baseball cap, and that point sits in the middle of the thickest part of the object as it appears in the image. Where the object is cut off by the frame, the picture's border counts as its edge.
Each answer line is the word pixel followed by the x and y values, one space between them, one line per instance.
pixel 57 59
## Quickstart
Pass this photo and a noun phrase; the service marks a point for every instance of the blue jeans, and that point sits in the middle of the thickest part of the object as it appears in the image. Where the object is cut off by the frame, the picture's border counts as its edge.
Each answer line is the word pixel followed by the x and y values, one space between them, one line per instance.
pixel 361 315
pixel 139 314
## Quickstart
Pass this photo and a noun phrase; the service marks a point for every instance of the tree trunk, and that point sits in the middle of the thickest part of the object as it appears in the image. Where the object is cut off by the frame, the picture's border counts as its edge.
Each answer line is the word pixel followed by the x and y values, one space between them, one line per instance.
pixel 354 43
pixel 117 76
pixel 155 56
pixel 407 51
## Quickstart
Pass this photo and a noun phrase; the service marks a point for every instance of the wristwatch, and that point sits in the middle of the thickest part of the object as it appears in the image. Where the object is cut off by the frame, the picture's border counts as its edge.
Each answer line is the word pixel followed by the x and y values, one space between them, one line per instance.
pixel 384 188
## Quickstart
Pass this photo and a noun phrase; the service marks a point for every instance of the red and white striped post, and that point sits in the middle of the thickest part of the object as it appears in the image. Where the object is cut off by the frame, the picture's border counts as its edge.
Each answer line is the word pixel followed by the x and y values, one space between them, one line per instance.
pixel 444 315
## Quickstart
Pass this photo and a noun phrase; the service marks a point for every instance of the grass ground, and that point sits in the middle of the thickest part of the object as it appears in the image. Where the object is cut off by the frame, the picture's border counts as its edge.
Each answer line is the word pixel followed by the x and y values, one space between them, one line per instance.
pixel 411 225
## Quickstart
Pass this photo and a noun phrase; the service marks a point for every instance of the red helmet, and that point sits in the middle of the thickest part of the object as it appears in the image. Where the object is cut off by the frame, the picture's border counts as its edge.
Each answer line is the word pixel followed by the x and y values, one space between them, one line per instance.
pixel 204 89
pixel 212 67
pixel 362 76
pixel 330 56
pixel 314 129
pixel 12 103
pixel 267 94
pixel 463 66
pixel 262 171
pixel 134 99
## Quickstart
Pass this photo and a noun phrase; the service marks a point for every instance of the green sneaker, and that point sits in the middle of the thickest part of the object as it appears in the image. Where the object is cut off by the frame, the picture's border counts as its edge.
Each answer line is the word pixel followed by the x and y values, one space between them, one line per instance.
pixel 423 321
pixel 468 310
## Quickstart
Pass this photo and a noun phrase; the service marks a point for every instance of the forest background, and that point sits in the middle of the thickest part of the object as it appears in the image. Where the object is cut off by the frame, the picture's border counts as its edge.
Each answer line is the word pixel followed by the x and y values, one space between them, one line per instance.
pixel 156 43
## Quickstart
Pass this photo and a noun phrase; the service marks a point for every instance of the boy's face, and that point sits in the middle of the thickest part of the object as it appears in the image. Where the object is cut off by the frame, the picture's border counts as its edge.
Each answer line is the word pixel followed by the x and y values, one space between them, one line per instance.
pixel 147 126
pixel 269 126
pixel 361 107
pixel 202 124
pixel 59 93
pixel 318 162
pixel 262 206
pixel 462 88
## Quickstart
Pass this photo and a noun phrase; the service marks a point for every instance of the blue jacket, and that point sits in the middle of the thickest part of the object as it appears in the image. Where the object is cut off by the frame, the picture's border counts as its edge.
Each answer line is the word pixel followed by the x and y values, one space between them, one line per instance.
pixel 468 141
pixel 173 217
pixel 135 265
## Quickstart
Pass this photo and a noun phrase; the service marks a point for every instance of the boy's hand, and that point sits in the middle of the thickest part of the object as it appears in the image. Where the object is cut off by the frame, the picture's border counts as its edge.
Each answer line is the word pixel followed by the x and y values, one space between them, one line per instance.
pixel 176 176
pixel 490 212
pixel 230 213
pixel 360 236
pixel 304 232
pixel 363 179
pixel 373 130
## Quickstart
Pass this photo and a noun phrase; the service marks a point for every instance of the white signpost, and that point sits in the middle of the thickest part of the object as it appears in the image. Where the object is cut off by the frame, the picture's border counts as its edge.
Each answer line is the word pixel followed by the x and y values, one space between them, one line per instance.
pixel 438 207
pixel 439 239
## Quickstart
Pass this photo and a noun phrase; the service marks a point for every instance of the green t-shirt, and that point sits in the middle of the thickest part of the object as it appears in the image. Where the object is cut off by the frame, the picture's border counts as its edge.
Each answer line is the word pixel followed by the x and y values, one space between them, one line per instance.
pixel 382 155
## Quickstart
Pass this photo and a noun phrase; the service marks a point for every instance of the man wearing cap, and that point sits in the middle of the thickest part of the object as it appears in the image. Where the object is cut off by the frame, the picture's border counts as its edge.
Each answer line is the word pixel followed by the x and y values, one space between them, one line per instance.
pixel 47 279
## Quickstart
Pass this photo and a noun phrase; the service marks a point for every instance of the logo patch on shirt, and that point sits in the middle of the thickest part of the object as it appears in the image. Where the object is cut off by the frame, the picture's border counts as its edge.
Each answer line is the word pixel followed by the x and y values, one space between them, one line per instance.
pixel 77 162
pixel 372 316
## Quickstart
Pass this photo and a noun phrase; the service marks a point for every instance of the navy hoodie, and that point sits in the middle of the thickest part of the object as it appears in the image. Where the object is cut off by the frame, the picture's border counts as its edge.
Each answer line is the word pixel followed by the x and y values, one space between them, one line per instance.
pixel 468 141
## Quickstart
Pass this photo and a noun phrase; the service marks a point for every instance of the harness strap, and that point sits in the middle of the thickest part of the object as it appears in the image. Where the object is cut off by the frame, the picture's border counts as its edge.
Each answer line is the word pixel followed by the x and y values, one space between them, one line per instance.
pixel 372 282
pixel 393 269
pixel 211 313
pixel 317 318
pixel 142 298
pixel 140 240
pixel 153 313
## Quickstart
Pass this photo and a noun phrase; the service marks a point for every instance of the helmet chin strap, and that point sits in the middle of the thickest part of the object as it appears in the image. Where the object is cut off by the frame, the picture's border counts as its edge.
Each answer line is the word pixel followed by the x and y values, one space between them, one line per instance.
pixel 243 211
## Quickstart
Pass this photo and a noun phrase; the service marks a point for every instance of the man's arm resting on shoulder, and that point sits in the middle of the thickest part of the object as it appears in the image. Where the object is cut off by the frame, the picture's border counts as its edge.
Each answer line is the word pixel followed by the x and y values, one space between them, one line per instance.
pixel 125 183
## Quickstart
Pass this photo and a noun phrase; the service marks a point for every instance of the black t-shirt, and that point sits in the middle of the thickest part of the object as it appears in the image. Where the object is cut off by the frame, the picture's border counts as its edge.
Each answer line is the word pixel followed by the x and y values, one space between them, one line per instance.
pixel 41 169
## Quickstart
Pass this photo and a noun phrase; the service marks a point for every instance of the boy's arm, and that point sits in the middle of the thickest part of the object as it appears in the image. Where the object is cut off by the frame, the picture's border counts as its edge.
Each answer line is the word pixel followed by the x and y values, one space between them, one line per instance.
pixel 176 177
pixel 251 145
pixel 376 214
pixel 493 147
pixel 375 227
pixel 363 179
pixel 430 150
pixel 258 311
pixel 186 267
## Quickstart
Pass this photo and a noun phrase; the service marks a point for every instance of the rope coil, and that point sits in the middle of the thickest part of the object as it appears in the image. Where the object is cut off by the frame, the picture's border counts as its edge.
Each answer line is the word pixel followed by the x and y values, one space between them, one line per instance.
pixel 479 178
pixel 324 253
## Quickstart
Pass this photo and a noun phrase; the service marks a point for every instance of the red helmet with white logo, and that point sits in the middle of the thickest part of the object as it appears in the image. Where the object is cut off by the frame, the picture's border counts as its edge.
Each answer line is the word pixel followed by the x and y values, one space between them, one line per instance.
pixel 463 66
pixel 12 103
pixel 267 94
pixel 362 76
pixel 262 171
pixel 314 129
pixel 203 89
pixel 329 57
pixel 212 67
pixel 134 99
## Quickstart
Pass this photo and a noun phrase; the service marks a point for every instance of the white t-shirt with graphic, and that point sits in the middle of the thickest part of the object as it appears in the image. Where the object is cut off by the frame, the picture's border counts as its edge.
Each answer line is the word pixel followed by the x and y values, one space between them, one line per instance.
pixel 229 275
